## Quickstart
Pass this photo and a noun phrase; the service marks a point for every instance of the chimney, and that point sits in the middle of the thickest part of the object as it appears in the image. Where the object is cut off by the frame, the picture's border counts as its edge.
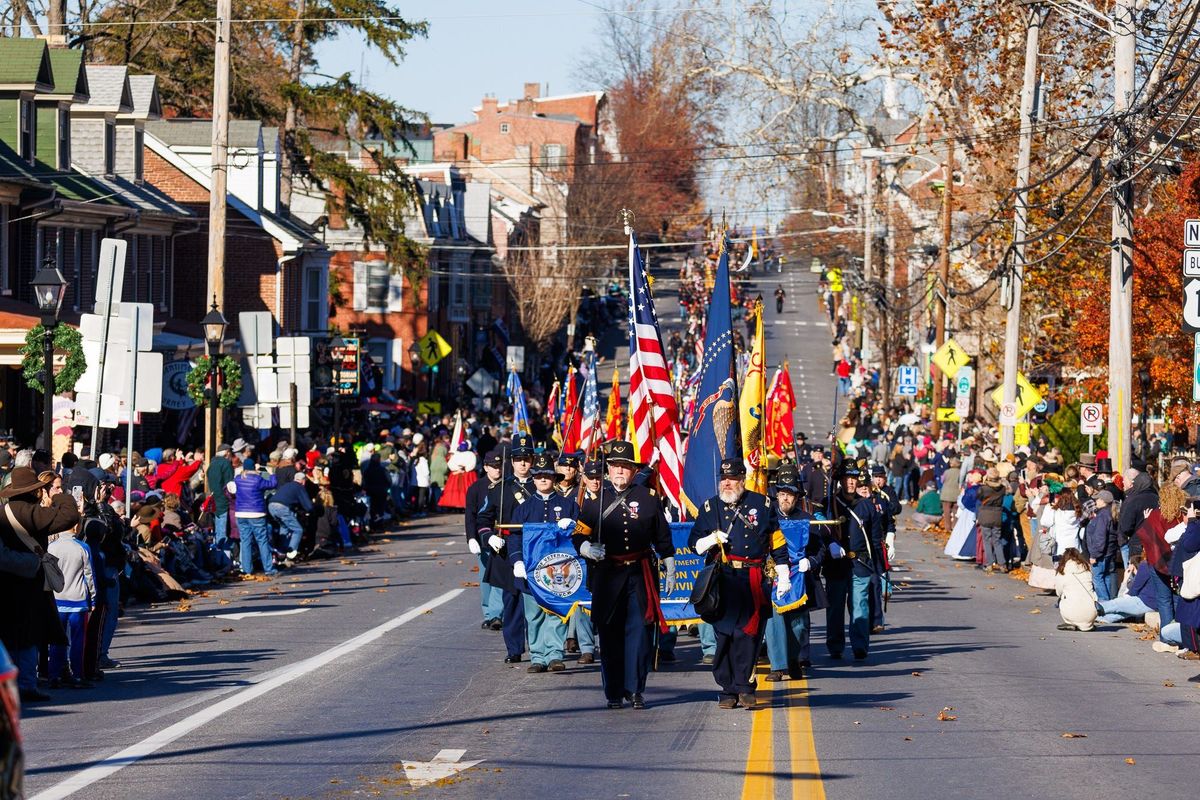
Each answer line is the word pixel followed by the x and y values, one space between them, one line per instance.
pixel 490 107
pixel 525 107
pixel 533 91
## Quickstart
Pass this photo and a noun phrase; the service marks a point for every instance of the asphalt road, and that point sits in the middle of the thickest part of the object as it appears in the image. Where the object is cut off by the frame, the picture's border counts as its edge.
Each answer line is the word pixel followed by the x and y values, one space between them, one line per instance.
pixel 379 667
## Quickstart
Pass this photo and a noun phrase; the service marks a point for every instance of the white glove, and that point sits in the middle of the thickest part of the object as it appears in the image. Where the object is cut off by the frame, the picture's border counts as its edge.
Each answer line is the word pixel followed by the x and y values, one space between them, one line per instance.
pixel 669 571
pixel 783 580
pixel 889 542
pixel 496 542
pixel 563 524
pixel 706 543
pixel 805 565
pixel 836 550
pixel 593 552
pixel 519 570
pixel 473 546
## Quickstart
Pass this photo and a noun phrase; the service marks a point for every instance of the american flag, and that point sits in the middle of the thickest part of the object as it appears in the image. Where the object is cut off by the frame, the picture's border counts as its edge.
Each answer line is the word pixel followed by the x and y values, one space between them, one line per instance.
pixel 589 429
pixel 653 412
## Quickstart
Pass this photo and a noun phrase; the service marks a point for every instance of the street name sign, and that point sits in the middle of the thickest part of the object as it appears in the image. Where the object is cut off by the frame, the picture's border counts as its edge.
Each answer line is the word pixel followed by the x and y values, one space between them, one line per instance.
pixel 907 381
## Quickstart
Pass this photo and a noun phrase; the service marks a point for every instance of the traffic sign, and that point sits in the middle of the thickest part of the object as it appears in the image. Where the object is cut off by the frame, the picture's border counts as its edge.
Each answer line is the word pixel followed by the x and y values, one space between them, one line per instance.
pixel 950 358
pixel 1191 233
pixel 1191 304
pixel 429 407
pixel 1191 263
pixel 963 382
pixel 1008 414
pixel 962 406
pixel 907 381
pixel 1196 370
pixel 1091 415
pixel 1021 434
pixel 1040 406
pixel 947 414
pixel 1027 397
pixel 433 348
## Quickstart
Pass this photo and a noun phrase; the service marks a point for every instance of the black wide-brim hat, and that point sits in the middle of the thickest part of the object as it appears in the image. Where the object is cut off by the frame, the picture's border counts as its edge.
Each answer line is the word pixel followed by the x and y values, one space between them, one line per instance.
pixel 621 452
pixel 732 468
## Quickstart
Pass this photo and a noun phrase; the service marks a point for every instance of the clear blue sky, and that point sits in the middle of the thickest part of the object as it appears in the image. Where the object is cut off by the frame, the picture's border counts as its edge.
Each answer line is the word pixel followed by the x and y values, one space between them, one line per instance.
pixel 475 47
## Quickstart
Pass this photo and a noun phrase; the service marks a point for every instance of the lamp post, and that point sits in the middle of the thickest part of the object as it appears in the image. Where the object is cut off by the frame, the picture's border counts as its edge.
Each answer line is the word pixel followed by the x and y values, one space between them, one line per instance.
pixel 49 288
pixel 337 347
pixel 414 356
pixel 214 324
pixel 1144 378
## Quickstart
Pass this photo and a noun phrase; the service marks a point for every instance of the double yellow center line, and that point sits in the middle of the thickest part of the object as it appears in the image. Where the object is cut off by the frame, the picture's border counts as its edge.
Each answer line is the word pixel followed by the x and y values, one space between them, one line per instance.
pixel 800 770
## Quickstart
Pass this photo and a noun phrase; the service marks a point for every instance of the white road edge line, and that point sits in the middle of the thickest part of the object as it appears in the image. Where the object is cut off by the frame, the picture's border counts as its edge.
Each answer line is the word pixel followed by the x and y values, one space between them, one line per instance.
pixel 134 753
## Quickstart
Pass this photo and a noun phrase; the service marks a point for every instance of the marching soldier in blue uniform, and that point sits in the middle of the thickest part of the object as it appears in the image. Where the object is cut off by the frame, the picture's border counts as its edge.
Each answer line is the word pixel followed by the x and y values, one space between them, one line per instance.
pixel 568 475
pixel 493 526
pixel 624 534
pixel 739 529
pixel 887 506
pixel 545 631
pixel 490 597
pixel 788 632
pixel 855 545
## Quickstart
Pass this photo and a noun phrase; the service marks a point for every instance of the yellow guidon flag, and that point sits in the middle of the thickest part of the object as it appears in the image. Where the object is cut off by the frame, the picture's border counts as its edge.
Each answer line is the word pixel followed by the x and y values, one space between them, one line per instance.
pixel 750 408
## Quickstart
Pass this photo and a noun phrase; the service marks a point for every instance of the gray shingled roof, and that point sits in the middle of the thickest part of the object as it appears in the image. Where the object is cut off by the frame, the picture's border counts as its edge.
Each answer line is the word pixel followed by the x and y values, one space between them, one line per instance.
pixel 109 88
pixel 270 135
pixel 143 89
pixel 198 132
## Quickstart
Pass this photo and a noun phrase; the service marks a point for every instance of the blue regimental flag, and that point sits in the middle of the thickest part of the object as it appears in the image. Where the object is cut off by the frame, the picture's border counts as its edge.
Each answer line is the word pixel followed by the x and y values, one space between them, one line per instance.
pixel 714 430
pixel 796 532
pixel 675 606
pixel 556 576
pixel 516 396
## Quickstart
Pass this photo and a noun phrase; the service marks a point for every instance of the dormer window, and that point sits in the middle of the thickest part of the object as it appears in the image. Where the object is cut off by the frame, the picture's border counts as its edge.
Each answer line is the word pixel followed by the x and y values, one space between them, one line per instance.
pixel 27 130
pixel 64 140
pixel 110 147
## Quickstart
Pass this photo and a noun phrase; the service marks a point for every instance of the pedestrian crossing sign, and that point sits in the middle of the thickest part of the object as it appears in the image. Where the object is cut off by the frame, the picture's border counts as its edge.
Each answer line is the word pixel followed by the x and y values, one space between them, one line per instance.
pixel 948 414
pixel 433 348
pixel 1027 396
pixel 950 358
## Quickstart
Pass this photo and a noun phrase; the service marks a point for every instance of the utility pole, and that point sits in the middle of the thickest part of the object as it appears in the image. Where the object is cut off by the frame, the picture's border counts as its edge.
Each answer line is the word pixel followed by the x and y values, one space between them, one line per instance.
pixel 1010 295
pixel 943 290
pixel 1120 336
pixel 868 214
pixel 889 283
pixel 220 163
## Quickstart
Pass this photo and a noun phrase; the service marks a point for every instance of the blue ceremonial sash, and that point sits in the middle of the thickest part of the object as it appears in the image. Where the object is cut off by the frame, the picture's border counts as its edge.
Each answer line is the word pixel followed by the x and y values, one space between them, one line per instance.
pixel 676 608
pixel 796 532
pixel 556 576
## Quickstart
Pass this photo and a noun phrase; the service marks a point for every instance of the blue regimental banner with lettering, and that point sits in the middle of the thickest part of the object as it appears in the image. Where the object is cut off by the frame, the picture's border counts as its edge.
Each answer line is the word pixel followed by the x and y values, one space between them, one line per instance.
pixel 556 576
pixel 796 532
pixel 675 606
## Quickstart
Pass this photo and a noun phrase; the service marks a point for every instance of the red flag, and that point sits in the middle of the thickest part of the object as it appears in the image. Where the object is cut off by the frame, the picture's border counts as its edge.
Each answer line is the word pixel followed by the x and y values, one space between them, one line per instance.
pixel 781 402
pixel 612 418
pixel 571 416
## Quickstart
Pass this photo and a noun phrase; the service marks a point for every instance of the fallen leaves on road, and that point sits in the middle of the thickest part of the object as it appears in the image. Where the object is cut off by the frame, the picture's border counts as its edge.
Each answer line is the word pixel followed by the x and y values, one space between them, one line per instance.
pixel 381 590
pixel 347 561
pixel 1169 684
pixel 1130 761
pixel 945 717
pixel 1074 735
pixel 1019 574
pixel 916 674
pixel 908 738
pixel 886 708
pixel 1018 597
pixel 470 583
pixel 184 605
pixel 226 630
pixel 990 588
pixel 224 602
pixel 308 601
pixel 324 591
pixel 475 569
pixel 1035 611
pixel 856 722
pixel 385 540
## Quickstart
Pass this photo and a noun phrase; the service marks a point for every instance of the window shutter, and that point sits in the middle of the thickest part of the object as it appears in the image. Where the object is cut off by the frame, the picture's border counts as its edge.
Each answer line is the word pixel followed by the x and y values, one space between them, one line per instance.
pixel 360 286
pixel 395 298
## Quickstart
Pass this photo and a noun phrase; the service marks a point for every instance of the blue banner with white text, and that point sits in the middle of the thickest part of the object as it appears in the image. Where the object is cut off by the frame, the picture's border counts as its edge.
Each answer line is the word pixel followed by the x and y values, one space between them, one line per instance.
pixel 675 606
